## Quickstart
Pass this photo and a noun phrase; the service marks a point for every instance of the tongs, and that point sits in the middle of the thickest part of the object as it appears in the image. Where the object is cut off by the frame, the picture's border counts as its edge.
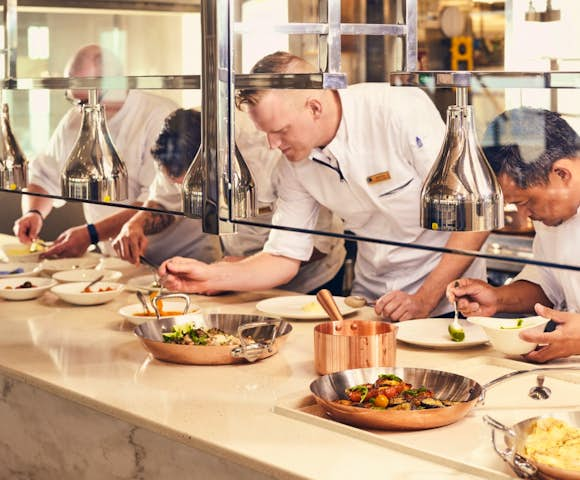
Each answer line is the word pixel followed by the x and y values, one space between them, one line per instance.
pixel 154 269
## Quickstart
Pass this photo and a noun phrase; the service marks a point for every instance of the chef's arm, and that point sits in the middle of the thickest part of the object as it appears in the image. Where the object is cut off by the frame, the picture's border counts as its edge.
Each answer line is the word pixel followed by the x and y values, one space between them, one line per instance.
pixel 110 226
pixel 450 267
pixel 520 296
pixel 32 202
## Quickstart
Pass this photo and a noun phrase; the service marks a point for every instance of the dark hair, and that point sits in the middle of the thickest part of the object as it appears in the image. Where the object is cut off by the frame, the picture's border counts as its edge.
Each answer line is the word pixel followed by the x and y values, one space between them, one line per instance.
pixel 277 62
pixel 178 142
pixel 524 143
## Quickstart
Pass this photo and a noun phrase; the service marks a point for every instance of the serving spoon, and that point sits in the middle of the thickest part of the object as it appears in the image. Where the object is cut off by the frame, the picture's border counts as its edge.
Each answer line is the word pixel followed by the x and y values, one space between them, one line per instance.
pixel 87 289
pixel 455 329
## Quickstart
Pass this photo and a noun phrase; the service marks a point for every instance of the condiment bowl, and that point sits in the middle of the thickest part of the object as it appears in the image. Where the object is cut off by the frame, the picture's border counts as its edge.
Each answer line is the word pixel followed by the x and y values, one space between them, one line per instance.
pixel 73 292
pixel 171 309
pixel 18 252
pixel 86 275
pixel 503 333
pixel 19 269
pixel 9 287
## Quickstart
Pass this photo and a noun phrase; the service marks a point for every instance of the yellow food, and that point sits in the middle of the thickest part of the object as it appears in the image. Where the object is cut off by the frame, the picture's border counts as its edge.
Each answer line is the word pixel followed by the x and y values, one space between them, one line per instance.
pixel 312 307
pixel 554 443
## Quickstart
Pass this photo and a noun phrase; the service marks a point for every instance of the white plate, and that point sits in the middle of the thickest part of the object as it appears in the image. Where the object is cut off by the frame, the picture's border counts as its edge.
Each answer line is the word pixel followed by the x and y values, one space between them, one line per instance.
pixel 432 333
pixel 18 252
pixel 129 311
pixel 115 263
pixel 73 292
pixel 86 275
pixel 28 269
pixel 41 285
pixel 143 282
pixel 294 307
pixel 59 264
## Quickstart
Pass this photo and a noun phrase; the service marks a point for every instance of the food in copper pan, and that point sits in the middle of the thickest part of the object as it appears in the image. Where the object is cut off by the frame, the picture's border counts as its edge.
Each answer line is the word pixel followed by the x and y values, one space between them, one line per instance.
pixel 189 334
pixel 26 284
pixel 555 443
pixel 390 392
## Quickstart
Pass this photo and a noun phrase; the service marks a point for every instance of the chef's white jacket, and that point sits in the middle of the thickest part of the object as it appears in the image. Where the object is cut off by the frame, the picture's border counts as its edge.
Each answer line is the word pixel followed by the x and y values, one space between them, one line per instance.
pixel 134 130
pixel 370 175
pixel 559 245
pixel 263 162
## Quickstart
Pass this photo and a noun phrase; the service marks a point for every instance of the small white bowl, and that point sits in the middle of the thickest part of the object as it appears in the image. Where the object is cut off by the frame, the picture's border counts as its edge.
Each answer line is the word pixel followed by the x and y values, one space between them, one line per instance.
pixel 51 266
pixel 130 312
pixel 73 292
pixel 504 333
pixel 22 270
pixel 40 286
pixel 86 275
pixel 20 253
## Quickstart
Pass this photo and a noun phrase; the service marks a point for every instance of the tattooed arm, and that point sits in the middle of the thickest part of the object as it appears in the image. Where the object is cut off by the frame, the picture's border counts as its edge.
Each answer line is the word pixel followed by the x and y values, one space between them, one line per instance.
pixel 132 239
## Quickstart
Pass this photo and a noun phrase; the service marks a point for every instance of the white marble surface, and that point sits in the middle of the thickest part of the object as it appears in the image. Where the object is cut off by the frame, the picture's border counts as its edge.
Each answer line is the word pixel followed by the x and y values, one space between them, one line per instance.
pixel 71 363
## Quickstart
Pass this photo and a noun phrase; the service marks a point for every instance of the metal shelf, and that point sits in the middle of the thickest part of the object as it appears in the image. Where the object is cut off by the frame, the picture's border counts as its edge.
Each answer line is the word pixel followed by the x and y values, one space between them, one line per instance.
pixel 486 79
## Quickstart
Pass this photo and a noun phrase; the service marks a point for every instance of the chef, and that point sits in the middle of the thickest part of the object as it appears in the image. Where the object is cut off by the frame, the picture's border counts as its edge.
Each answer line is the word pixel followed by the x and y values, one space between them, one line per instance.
pixel 175 149
pixel 134 120
pixel 535 154
pixel 363 153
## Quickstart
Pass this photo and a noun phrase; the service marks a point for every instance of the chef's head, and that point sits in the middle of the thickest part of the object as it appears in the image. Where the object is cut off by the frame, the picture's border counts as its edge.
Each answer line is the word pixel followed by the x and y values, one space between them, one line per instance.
pixel 178 143
pixel 295 121
pixel 94 61
pixel 536 156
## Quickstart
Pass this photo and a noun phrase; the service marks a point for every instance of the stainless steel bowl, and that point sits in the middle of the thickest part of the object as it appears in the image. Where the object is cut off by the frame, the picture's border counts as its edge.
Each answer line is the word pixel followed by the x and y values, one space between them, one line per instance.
pixel 268 335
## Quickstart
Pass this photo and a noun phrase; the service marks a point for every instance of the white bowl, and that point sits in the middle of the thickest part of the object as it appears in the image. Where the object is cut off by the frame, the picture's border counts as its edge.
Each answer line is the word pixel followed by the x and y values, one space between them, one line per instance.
pixel 130 312
pixel 86 275
pixel 23 269
pixel 504 333
pixel 115 263
pixel 20 253
pixel 40 286
pixel 51 266
pixel 73 292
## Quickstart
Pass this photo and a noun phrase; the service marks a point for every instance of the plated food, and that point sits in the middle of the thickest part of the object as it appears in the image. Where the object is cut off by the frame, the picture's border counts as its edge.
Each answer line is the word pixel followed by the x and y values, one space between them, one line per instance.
pixel 24 288
pixel 504 333
pixel 300 307
pixel 189 334
pixel 99 293
pixel 433 333
pixel 135 313
pixel 18 252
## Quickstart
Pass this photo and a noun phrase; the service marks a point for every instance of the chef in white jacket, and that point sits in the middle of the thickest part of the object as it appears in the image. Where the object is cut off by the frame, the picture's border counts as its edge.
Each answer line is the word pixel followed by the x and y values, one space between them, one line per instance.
pixel 363 153
pixel 175 148
pixel 134 120
pixel 535 154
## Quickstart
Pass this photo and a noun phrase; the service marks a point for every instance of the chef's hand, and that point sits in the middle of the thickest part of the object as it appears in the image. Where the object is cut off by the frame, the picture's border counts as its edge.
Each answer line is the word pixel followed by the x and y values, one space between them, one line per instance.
pixel 398 306
pixel 131 242
pixel 70 243
pixel 474 297
pixel 27 227
pixel 561 343
pixel 187 275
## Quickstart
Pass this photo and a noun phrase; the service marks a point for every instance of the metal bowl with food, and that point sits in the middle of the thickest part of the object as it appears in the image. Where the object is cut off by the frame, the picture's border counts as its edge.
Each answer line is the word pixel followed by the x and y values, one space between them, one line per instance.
pixel 546 446
pixel 244 337
pixel 460 394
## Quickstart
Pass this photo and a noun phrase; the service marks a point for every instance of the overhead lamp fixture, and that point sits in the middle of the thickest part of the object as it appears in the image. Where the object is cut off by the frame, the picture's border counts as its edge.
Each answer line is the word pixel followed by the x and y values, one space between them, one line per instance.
pixel 94 170
pixel 461 192
pixel 549 15
pixel 13 162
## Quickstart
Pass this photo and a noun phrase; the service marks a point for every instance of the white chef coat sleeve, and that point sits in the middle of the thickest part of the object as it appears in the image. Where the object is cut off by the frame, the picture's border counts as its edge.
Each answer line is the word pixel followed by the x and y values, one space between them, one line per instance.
pixel 165 192
pixel 543 276
pixel 296 208
pixel 421 129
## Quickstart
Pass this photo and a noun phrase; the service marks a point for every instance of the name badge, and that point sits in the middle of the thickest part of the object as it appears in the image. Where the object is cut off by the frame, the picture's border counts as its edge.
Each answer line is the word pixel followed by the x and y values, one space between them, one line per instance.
pixel 378 177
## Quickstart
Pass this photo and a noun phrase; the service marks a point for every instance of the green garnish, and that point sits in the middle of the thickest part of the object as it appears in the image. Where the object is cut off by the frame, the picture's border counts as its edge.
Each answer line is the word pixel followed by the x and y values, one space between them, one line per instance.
pixel 519 324
pixel 456 335
pixel 389 376
pixel 413 392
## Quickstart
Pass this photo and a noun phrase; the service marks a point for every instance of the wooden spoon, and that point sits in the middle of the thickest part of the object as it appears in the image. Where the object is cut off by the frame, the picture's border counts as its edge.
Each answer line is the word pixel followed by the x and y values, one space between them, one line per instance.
pixel 327 302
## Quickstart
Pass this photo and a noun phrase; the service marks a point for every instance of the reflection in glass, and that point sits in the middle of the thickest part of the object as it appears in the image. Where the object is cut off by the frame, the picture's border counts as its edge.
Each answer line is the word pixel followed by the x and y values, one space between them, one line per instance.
pixel 13 163
pixel 192 187
pixel 94 170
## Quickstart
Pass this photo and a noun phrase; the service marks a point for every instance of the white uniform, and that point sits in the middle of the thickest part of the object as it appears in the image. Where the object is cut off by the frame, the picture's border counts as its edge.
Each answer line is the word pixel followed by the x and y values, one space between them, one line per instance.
pixel 134 130
pixel 370 175
pixel 558 245
pixel 249 240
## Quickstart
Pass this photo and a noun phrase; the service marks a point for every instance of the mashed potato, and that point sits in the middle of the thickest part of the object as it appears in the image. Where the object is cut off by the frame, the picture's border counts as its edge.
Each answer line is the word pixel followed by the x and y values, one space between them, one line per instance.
pixel 312 307
pixel 553 442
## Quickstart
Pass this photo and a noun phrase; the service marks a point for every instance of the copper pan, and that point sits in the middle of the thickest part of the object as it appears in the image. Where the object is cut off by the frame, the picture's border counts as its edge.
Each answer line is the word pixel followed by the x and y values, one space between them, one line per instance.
pixel 344 344
pixel 445 385
pixel 269 334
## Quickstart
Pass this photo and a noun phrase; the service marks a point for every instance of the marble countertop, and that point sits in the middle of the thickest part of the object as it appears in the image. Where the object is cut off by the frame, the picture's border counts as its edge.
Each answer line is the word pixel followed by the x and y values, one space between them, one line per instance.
pixel 89 355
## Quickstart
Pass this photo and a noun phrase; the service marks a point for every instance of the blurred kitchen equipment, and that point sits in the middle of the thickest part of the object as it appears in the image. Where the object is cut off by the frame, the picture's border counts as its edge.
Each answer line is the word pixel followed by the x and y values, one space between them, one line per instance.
pixel 267 334
pixel 342 344
pixel 13 162
pixel 143 300
pixel 193 186
pixel 516 222
pixel 540 391
pixel 549 15
pixel 356 301
pixel 515 439
pixel 461 192
pixel 445 385
pixel 94 170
